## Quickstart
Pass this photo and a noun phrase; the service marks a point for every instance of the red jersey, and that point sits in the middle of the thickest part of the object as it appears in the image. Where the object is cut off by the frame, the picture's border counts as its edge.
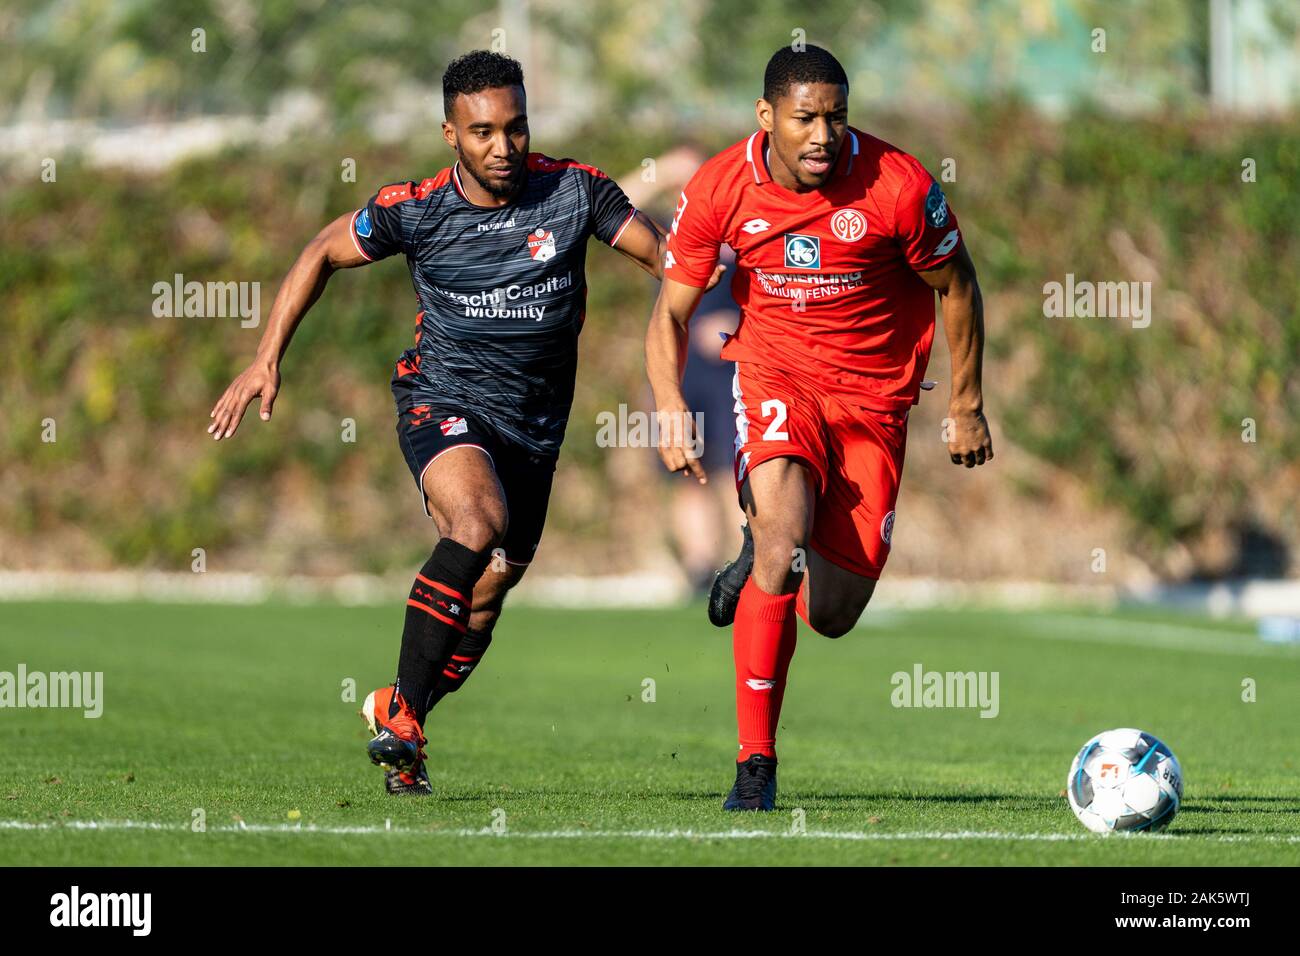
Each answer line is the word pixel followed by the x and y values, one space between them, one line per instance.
pixel 826 279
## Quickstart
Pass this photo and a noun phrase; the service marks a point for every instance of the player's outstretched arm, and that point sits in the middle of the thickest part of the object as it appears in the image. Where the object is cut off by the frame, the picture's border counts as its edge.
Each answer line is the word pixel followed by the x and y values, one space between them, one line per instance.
pixel 665 362
pixel 644 242
pixel 333 248
pixel 963 323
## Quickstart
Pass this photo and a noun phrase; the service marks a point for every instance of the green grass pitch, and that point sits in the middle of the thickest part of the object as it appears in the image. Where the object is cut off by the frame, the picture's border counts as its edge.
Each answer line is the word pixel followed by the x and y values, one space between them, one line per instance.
pixel 551 755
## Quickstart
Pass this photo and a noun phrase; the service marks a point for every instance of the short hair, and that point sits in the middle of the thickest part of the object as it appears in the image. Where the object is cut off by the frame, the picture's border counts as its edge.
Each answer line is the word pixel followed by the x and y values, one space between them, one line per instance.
pixel 476 71
pixel 789 67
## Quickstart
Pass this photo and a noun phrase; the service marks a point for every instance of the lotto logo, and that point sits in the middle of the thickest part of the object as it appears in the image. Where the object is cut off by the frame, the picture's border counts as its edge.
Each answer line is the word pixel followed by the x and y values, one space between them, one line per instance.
pixel 681 210
pixel 949 243
pixel 454 426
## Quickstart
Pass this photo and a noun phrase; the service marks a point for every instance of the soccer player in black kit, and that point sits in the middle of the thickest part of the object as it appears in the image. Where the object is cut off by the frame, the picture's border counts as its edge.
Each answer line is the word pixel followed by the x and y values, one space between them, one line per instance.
pixel 496 246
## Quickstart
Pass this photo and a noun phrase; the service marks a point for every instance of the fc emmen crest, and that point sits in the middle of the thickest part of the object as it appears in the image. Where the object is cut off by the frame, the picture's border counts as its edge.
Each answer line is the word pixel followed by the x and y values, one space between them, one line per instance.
pixel 541 244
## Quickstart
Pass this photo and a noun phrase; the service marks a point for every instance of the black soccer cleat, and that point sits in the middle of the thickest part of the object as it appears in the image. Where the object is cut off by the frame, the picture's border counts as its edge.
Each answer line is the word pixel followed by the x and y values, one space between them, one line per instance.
pixel 755 787
pixel 727 583
pixel 414 783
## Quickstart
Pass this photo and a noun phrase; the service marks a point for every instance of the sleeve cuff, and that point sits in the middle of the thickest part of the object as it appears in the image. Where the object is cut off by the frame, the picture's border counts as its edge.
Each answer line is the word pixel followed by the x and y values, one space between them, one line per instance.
pixel 352 231
pixel 626 222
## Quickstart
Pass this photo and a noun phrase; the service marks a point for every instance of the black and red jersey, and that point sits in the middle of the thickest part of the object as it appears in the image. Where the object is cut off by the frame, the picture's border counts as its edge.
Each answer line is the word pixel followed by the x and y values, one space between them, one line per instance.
pixel 502 290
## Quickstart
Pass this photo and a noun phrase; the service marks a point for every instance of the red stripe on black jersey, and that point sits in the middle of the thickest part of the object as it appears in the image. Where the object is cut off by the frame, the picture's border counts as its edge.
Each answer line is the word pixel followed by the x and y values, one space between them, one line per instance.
pixel 539 163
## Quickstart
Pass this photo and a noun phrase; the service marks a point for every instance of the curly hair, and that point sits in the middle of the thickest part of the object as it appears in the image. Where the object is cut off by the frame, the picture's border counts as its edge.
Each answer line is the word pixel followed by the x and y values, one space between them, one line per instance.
pixel 476 71
pixel 811 65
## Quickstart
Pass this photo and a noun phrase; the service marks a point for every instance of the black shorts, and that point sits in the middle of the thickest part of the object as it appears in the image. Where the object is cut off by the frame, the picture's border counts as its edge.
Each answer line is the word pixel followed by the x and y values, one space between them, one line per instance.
pixel 427 431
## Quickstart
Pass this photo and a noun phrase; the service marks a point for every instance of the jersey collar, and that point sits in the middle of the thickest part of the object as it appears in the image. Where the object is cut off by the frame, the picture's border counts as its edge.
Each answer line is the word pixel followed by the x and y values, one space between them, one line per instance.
pixel 756 147
pixel 460 191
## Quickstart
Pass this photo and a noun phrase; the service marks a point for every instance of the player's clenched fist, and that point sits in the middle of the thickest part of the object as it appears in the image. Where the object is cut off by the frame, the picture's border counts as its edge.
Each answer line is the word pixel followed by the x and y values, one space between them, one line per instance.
pixel 970 444
pixel 257 379
pixel 679 444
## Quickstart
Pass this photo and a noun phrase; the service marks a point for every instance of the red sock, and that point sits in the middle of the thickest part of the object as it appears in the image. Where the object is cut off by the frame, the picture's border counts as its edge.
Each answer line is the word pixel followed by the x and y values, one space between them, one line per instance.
pixel 782 670
pixel 763 639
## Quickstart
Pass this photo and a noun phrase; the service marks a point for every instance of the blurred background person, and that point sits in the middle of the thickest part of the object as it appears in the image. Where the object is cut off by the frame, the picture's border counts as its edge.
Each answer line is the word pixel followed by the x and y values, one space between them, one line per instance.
pixel 706 520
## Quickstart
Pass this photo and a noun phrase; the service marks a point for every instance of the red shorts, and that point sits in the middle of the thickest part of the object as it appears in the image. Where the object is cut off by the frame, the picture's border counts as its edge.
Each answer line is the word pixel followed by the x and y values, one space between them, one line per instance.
pixel 856 455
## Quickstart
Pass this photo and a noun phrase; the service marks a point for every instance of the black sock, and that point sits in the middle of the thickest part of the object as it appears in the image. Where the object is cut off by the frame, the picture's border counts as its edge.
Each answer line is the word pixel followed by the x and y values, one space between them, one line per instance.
pixel 463 661
pixel 437 614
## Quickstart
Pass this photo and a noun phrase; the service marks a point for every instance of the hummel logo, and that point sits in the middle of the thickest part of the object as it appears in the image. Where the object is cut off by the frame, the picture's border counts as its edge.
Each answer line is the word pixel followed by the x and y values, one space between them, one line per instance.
pixel 755 226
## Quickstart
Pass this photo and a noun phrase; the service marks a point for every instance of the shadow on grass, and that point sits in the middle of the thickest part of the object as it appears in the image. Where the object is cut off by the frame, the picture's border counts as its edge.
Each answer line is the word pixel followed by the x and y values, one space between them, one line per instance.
pixel 1215 805
pixel 1017 801
pixel 1184 833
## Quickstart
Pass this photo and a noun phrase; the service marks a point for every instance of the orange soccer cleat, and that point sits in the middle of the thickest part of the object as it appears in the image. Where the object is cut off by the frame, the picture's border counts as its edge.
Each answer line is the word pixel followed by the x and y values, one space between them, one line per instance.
pixel 398 742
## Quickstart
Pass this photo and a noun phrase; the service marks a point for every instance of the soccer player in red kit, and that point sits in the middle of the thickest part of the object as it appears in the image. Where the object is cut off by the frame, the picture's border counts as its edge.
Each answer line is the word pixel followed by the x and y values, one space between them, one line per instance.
pixel 841 242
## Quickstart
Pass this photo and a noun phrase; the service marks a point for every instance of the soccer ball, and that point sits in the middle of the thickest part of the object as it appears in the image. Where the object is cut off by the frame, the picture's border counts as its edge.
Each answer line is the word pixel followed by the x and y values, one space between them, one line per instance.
pixel 1125 780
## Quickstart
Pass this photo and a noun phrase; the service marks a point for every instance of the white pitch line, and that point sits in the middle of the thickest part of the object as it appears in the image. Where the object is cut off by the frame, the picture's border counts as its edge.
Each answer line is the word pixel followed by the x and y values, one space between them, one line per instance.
pixel 849 835
pixel 1180 637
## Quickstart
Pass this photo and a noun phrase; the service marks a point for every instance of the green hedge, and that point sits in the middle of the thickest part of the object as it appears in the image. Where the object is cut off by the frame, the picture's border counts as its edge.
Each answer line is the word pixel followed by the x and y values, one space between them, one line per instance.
pixel 1149 419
